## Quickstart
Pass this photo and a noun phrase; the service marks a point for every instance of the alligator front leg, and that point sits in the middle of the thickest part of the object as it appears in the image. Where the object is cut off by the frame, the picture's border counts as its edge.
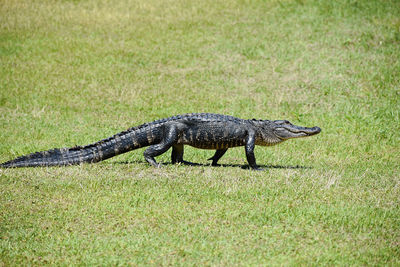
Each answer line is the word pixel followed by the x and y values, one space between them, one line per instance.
pixel 249 147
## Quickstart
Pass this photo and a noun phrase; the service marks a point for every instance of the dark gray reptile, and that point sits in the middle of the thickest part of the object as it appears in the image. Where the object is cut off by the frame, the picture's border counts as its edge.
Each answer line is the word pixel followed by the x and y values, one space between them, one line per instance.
pixel 200 130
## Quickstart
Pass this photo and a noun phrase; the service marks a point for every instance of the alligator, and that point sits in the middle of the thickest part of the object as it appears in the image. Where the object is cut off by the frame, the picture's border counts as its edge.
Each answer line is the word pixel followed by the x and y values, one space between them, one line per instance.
pixel 200 130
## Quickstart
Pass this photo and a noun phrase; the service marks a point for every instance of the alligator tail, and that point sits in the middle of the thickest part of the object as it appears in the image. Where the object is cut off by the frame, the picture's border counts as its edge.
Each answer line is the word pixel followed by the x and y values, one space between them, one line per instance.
pixel 115 145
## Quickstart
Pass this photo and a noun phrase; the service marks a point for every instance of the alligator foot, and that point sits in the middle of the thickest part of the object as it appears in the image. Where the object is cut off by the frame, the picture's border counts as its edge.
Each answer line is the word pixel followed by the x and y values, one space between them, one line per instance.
pixel 184 162
pixel 216 165
pixel 252 168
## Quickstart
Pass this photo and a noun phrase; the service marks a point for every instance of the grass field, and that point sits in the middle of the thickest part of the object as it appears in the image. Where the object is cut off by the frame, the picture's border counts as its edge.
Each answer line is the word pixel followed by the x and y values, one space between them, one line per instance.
pixel 75 72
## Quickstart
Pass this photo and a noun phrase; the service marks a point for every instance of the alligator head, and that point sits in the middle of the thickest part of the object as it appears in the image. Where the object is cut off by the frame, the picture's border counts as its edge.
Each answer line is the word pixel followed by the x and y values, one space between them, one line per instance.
pixel 275 132
pixel 285 130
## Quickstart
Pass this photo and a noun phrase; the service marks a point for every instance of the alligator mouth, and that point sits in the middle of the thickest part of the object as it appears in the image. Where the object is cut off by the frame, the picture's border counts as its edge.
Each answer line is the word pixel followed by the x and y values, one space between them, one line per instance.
pixel 311 131
pixel 293 131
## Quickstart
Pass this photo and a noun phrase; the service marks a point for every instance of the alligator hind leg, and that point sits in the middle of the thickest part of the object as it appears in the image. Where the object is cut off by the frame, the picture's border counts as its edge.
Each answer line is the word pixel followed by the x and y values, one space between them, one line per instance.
pixel 177 155
pixel 154 151
pixel 158 149
pixel 218 154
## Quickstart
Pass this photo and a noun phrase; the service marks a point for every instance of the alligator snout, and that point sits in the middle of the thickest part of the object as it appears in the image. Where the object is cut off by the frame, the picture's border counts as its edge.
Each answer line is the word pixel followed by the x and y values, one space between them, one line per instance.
pixel 312 131
pixel 315 130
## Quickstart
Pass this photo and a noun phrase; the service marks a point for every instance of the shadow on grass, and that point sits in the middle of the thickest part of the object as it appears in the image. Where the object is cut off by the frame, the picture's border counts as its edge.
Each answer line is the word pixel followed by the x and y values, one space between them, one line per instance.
pixel 218 166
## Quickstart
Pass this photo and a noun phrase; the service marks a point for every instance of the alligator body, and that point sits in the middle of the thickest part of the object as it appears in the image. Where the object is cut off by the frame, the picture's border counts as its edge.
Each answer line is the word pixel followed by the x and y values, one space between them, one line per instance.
pixel 200 130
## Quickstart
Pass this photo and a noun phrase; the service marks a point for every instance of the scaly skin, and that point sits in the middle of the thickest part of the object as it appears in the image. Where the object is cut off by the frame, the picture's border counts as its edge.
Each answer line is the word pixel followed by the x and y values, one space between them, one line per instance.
pixel 200 130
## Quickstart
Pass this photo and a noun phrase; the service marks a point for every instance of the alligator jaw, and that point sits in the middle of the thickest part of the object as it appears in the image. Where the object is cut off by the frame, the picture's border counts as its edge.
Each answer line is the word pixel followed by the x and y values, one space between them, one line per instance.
pixel 288 131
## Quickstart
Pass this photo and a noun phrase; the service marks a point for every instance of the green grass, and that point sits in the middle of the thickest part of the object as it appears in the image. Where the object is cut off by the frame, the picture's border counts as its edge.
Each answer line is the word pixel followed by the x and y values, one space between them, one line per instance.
pixel 74 72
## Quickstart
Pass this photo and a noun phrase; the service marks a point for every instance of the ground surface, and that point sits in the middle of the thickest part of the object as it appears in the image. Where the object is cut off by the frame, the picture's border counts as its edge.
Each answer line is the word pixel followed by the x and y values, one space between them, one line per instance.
pixel 74 72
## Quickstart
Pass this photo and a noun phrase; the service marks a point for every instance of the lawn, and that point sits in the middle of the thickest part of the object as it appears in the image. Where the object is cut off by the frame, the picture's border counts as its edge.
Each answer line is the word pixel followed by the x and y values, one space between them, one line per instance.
pixel 75 72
